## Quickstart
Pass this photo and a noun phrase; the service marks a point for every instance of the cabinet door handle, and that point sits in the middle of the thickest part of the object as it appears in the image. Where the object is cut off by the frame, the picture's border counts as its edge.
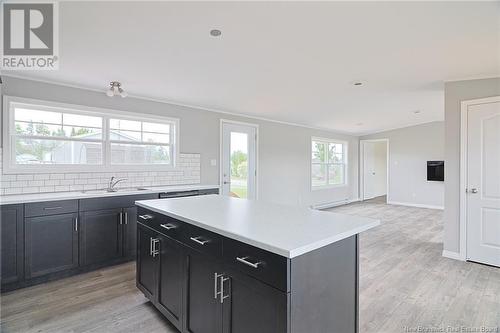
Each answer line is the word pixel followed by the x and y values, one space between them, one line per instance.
pixel 146 217
pixel 121 218
pixel 198 240
pixel 168 226
pixel 52 208
pixel 126 217
pixel 216 285
pixel 76 223
pixel 244 260
pixel 222 296
pixel 155 251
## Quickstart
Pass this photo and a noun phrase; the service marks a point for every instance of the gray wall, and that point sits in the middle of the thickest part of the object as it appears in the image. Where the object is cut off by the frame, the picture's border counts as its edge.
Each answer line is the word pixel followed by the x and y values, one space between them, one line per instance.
pixel 454 93
pixel 284 150
pixel 409 150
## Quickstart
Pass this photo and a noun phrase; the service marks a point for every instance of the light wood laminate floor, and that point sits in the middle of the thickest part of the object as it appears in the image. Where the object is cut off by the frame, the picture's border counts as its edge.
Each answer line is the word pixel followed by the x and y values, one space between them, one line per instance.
pixel 405 282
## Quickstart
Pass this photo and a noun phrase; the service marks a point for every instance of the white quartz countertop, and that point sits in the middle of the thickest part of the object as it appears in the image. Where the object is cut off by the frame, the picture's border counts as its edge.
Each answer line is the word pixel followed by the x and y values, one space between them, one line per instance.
pixel 285 230
pixel 39 197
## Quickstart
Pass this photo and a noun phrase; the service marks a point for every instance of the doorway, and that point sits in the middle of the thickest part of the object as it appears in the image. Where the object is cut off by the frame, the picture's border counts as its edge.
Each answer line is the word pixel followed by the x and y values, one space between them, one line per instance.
pixel 239 159
pixel 374 169
pixel 480 181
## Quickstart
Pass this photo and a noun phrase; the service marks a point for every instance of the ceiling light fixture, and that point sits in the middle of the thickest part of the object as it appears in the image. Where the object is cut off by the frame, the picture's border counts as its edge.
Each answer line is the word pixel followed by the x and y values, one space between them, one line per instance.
pixel 215 32
pixel 115 89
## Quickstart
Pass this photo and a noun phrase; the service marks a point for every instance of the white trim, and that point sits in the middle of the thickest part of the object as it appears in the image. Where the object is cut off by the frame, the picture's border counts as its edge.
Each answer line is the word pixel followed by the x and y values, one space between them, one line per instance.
pixel 193 106
pixel 410 204
pixel 362 168
pixel 221 134
pixel 106 166
pixel 464 107
pixel 334 204
pixel 388 129
pixel 452 255
pixel 346 164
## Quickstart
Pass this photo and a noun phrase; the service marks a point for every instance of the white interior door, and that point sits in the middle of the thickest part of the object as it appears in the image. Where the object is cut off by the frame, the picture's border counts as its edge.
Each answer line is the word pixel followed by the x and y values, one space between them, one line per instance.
pixel 369 172
pixel 483 183
pixel 374 169
pixel 239 160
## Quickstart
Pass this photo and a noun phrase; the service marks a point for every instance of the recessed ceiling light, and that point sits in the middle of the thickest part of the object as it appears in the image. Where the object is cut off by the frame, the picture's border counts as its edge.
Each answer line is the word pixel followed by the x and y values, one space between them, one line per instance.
pixel 215 32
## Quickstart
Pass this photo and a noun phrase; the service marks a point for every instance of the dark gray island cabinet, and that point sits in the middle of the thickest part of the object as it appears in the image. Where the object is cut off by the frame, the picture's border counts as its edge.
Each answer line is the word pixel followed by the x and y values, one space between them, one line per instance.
pixel 216 264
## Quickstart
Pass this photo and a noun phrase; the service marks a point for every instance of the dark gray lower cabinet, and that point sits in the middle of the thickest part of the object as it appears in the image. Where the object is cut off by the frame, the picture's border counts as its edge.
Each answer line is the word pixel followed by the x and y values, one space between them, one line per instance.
pixel 160 273
pixel 51 244
pixel 100 236
pixel 129 232
pixel 146 274
pixel 252 306
pixel 170 280
pixel 203 308
pixel 12 243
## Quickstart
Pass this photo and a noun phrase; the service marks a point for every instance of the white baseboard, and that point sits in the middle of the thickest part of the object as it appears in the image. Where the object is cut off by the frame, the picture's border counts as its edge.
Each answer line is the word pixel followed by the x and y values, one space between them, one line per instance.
pixel 334 204
pixel 453 255
pixel 409 204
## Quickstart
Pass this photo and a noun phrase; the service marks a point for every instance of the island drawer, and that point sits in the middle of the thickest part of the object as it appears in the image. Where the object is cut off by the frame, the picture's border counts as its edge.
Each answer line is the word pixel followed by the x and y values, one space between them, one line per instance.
pixel 202 240
pixel 163 224
pixel 260 264
pixel 50 208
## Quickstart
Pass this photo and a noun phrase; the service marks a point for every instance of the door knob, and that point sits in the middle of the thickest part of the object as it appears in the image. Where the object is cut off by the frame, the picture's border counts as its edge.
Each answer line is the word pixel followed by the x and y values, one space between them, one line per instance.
pixel 226 182
pixel 473 190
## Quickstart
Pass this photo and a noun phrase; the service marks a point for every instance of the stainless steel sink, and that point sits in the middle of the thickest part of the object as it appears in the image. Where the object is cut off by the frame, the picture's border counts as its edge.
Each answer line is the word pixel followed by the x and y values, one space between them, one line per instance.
pixel 117 191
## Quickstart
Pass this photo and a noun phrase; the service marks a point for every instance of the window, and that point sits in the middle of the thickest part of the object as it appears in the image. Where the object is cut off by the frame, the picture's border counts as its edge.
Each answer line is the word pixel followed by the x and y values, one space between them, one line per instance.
pixel 138 142
pixel 45 137
pixel 328 163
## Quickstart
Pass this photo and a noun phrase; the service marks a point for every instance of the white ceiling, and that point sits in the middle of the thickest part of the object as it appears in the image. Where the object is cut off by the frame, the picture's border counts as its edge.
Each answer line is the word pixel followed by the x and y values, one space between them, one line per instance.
pixel 291 62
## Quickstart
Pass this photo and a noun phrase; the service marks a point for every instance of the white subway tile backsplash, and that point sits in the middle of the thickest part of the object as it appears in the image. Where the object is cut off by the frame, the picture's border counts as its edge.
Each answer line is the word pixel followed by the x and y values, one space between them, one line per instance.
pixel 17 190
pixel 51 182
pixel 36 183
pixel 60 188
pixel 24 177
pixel 8 177
pixel 186 172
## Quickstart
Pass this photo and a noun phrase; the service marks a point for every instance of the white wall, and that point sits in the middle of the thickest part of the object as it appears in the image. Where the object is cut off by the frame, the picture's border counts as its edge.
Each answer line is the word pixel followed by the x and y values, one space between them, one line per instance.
pixel 284 150
pixel 454 93
pixel 409 150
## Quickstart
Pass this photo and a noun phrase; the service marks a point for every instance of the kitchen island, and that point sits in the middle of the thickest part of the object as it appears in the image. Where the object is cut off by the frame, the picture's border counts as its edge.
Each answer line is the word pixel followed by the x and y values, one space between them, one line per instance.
pixel 218 264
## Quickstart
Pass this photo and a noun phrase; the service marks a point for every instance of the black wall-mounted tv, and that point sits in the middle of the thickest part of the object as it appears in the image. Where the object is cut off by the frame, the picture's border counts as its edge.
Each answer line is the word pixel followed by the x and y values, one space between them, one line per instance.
pixel 435 171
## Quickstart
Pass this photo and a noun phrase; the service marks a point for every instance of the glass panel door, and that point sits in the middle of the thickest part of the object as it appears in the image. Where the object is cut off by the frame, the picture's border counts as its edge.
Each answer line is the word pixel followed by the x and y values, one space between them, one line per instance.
pixel 238 160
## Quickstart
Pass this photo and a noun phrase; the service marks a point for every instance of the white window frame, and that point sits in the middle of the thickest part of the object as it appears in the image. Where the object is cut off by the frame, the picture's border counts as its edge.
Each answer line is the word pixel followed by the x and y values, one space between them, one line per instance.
pixel 10 167
pixel 345 152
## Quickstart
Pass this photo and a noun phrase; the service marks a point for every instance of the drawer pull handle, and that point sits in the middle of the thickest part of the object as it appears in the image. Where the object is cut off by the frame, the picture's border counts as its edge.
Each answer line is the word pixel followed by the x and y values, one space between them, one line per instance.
pixel 244 260
pixel 198 240
pixel 52 208
pixel 168 226
pixel 146 217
